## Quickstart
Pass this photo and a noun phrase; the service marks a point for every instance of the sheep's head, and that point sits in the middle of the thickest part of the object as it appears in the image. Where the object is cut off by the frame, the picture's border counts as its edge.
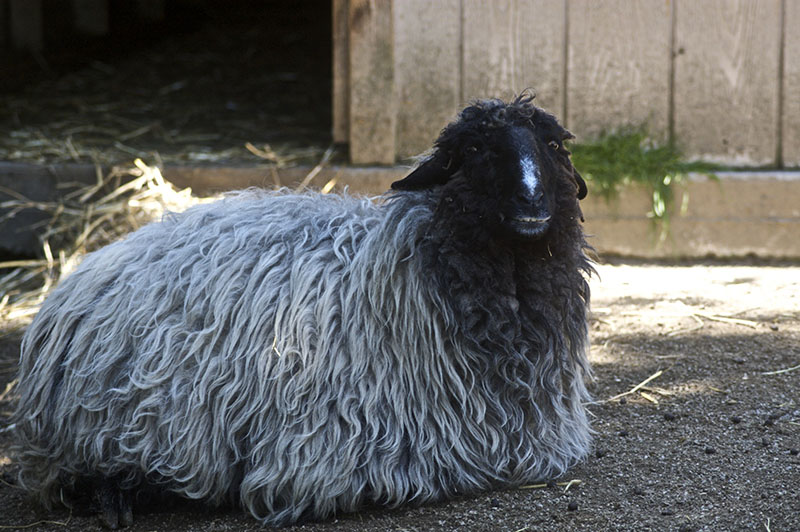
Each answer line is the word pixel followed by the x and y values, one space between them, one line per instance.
pixel 506 164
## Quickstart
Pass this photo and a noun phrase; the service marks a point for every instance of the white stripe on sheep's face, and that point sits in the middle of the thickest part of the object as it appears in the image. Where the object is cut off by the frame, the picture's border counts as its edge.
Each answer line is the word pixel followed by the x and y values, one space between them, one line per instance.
pixel 530 173
pixel 505 166
pixel 529 203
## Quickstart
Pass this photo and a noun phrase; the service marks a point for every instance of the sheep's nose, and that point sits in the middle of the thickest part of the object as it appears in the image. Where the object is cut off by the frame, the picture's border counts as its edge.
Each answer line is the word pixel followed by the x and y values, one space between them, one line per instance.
pixel 532 198
pixel 537 196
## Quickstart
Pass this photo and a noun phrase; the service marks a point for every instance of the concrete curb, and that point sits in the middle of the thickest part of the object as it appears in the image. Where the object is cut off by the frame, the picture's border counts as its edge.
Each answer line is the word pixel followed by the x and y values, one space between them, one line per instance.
pixel 747 213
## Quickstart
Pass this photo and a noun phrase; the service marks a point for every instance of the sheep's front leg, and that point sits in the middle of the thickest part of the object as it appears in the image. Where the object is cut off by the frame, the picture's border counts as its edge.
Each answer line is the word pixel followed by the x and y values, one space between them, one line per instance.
pixel 115 505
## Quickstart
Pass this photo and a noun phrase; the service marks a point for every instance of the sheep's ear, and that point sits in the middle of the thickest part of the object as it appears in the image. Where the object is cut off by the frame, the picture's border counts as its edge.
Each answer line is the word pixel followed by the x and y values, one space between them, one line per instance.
pixel 582 190
pixel 434 171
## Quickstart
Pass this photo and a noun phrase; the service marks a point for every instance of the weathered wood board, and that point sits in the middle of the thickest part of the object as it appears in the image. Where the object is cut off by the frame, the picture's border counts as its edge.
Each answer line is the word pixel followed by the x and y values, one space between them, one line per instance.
pixel 726 79
pixel 373 114
pixel 618 66
pixel 708 74
pixel 513 45
pixel 341 71
pixel 791 85
pixel 427 50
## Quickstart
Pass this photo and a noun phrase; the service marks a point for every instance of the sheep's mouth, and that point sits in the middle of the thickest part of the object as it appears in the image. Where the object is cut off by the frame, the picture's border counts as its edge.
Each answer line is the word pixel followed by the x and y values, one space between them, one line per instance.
pixel 529 226
pixel 532 219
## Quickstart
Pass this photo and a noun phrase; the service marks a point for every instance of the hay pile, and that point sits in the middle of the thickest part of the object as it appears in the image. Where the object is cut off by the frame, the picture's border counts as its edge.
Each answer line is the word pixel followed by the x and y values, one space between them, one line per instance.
pixel 82 221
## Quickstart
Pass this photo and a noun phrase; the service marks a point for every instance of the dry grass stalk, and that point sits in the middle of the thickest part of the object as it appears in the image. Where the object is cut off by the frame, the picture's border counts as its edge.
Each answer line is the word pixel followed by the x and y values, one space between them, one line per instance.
pixel 567 485
pixel 780 371
pixel 648 397
pixel 634 389
pixel 726 319
pixel 659 391
pixel 314 171
pixel 99 214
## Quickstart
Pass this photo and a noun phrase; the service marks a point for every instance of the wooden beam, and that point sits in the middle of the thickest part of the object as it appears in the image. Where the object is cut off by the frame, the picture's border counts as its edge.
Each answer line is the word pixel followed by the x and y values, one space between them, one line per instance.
pixel 373 115
pixel 791 86
pixel 740 214
pixel 341 71
pixel 427 59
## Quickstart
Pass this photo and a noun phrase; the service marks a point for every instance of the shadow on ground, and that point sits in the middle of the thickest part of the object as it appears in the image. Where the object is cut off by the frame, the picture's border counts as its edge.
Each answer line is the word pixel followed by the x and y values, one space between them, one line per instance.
pixel 711 443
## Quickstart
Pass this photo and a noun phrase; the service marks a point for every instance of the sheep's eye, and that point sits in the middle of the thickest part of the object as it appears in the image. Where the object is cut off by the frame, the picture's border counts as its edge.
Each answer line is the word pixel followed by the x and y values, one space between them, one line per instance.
pixel 472 149
pixel 553 144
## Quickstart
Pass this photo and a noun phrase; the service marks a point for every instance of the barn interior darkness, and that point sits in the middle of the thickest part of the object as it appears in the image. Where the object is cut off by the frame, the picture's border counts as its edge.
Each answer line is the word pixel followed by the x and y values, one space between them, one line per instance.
pixel 194 87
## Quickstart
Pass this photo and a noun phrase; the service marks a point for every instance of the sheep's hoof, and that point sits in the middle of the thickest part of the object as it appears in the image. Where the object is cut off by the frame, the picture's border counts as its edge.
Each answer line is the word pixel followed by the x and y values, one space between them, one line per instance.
pixel 114 505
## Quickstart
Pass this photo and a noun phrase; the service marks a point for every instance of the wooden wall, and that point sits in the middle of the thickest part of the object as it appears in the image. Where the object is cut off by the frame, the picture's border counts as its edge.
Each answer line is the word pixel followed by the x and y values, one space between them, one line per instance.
pixel 720 76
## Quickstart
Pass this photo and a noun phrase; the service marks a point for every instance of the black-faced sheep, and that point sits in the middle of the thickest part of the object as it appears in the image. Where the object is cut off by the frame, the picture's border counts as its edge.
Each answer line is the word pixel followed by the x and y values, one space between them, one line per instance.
pixel 302 354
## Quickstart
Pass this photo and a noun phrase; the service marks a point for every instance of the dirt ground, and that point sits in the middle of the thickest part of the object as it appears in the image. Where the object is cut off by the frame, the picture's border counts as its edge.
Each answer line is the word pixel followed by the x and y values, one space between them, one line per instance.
pixel 710 442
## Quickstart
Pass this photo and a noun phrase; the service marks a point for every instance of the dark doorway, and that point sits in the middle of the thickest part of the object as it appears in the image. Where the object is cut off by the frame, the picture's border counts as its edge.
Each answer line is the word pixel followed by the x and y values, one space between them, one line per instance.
pixel 208 83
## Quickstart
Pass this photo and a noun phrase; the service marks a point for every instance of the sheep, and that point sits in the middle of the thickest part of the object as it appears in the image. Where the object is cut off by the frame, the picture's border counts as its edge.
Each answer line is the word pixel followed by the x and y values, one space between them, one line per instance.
pixel 301 354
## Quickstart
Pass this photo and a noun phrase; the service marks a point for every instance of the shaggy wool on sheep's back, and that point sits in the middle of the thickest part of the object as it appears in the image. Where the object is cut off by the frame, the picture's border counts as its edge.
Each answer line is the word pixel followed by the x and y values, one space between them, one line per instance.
pixel 304 354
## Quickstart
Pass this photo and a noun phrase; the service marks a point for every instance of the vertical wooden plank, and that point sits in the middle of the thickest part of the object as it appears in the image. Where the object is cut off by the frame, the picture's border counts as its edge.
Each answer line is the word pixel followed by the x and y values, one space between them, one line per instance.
pixel 726 79
pixel 488 49
pixel 513 45
pixel 25 17
pixel 91 16
pixel 791 85
pixel 427 70
pixel 618 65
pixel 372 114
pixel 539 31
pixel 340 104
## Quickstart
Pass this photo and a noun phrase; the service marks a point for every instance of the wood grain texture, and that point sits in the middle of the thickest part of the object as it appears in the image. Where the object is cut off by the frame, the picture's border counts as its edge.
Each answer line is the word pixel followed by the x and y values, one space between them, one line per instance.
pixel 513 45
pixel 373 114
pixel 791 85
pixel 726 79
pixel 340 57
pixel 427 50
pixel 618 65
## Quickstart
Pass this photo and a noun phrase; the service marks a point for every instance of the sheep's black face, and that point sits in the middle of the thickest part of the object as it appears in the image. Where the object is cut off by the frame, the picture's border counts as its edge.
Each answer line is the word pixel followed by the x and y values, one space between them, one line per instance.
pixel 505 166
pixel 523 191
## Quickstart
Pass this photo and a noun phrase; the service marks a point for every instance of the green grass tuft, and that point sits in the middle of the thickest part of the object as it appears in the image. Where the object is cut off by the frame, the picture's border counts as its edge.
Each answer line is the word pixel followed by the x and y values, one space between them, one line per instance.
pixel 630 156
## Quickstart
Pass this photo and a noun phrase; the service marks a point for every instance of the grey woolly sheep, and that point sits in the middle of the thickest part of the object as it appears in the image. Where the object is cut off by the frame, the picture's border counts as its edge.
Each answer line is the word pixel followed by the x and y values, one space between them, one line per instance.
pixel 304 354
